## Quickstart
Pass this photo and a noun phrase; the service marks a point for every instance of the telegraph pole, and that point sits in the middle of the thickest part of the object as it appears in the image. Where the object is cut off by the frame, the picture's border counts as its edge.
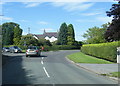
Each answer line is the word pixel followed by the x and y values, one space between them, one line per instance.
pixel 28 30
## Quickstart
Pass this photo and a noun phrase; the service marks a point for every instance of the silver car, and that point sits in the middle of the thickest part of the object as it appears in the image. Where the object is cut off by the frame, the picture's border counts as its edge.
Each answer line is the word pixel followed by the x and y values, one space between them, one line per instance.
pixel 33 51
pixel 15 49
pixel 6 49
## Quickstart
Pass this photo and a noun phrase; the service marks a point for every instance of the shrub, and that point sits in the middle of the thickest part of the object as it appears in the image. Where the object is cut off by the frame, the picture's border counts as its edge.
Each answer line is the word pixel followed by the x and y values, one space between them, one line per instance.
pixel 60 47
pixel 106 51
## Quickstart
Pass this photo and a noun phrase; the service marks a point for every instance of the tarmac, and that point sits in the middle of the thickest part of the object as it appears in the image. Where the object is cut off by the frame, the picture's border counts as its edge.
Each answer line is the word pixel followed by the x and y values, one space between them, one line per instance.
pixel 100 68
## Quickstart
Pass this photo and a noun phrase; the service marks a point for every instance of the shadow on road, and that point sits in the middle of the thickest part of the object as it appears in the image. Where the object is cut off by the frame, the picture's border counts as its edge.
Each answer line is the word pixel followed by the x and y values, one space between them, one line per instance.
pixel 43 56
pixel 13 72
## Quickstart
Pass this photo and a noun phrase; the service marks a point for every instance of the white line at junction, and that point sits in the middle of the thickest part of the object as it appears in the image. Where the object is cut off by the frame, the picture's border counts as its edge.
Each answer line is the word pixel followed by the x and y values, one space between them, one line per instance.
pixel 42 62
pixel 46 72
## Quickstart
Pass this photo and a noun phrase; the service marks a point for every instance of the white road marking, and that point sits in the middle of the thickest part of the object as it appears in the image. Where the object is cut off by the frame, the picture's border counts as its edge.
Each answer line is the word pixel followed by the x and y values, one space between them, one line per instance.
pixel 41 62
pixel 42 57
pixel 30 75
pixel 46 72
pixel 24 67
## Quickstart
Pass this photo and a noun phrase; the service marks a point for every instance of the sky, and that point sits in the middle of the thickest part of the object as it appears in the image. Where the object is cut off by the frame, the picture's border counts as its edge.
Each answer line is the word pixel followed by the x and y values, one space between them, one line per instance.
pixel 49 15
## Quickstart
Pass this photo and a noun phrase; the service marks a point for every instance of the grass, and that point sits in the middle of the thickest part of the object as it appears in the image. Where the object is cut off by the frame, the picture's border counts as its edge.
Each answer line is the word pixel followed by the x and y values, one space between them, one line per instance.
pixel 113 74
pixel 80 57
pixel 23 51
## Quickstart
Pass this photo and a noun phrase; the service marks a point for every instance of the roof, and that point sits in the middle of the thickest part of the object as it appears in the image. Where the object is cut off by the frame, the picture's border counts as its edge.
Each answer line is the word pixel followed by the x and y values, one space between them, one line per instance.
pixel 49 34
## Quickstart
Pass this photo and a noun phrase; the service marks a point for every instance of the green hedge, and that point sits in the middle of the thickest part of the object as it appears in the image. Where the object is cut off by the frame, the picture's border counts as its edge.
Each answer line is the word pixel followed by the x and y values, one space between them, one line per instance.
pixel 106 51
pixel 60 47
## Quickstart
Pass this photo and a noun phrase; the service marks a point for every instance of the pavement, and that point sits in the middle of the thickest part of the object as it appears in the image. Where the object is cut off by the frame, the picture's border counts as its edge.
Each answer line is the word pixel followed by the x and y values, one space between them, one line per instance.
pixel 100 68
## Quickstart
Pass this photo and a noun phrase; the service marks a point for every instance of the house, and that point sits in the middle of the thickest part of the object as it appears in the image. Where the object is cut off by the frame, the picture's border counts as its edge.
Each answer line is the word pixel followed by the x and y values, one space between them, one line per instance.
pixel 51 36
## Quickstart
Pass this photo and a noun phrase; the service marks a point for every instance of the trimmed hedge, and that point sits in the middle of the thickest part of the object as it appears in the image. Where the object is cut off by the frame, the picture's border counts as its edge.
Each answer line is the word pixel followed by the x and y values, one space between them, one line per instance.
pixel 60 47
pixel 106 51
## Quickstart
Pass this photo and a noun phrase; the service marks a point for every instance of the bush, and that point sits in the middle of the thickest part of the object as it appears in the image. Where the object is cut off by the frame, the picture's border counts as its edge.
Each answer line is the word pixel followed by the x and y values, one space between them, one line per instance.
pixel 106 51
pixel 60 47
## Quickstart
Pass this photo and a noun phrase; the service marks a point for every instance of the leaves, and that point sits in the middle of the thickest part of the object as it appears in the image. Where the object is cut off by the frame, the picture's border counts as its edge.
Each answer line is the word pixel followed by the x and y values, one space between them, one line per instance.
pixel 113 31
pixel 62 37
pixel 95 35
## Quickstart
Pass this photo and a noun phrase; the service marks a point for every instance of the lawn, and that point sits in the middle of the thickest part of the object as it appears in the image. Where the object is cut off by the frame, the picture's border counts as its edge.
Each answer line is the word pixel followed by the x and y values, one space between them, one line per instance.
pixel 80 57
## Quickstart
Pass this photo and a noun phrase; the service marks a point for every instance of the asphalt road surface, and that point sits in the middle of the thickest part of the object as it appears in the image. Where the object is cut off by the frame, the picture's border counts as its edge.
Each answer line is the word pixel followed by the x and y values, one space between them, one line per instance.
pixel 49 68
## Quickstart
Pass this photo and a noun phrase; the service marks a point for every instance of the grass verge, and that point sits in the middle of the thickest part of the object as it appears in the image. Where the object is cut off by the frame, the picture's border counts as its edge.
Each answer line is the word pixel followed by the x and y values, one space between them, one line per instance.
pixel 80 57
pixel 113 74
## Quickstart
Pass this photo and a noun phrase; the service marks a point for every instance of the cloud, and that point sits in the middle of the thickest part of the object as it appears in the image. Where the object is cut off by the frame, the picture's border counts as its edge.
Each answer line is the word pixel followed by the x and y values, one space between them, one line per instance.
pixel 31 4
pixel 6 18
pixel 91 14
pixel 43 22
pixel 72 6
pixel 1 3
pixel 84 20
pixel 24 33
pixel 23 20
pixel 59 0
pixel 104 19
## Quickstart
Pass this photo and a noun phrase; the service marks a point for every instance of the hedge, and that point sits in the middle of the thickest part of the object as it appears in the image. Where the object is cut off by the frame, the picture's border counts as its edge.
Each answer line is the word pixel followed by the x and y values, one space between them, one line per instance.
pixel 106 51
pixel 60 47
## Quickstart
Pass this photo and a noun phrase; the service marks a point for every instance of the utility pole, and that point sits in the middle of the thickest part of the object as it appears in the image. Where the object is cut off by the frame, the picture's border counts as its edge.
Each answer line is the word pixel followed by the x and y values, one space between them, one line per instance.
pixel 28 30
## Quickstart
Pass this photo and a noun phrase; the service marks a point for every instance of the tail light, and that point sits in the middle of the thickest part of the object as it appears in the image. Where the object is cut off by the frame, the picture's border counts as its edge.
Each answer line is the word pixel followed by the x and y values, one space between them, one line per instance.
pixel 36 50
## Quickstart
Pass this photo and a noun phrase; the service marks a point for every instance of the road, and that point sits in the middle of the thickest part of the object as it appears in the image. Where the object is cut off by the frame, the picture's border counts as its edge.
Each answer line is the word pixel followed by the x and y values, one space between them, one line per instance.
pixel 50 68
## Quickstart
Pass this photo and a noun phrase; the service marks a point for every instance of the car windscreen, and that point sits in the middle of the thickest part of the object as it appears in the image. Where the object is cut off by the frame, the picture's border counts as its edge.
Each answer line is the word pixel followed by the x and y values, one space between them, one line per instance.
pixel 32 47
pixel 15 47
pixel 7 47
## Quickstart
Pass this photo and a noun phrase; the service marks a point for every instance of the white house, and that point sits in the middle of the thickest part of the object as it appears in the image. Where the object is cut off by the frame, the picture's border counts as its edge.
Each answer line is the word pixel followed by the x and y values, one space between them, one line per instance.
pixel 51 36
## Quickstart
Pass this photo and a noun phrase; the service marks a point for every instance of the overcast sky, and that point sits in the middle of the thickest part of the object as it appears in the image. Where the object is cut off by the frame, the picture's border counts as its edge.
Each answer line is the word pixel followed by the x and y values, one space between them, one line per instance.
pixel 50 15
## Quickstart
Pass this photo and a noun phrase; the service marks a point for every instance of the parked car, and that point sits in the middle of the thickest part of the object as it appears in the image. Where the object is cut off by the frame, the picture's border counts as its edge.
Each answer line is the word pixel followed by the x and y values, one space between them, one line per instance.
pixel 6 49
pixel 33 51
pixel 15 49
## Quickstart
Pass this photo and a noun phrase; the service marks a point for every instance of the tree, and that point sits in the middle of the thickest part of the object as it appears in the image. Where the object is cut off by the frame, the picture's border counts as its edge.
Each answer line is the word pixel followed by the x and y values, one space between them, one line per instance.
pixel 70 35
pixel 42 42
pixel 62 37
pixel 8 33
pixel 28 40
pixel 17 34
pixel 95 35
pixel 113 31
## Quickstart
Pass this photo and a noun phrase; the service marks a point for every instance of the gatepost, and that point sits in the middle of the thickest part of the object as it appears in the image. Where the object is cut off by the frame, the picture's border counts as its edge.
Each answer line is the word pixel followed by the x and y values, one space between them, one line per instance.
pixel 118 54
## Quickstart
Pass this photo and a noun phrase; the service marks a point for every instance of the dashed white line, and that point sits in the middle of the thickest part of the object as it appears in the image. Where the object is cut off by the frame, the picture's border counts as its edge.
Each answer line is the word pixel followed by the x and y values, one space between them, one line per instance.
pixel 42 57
pixel 41 62
pixel 46 72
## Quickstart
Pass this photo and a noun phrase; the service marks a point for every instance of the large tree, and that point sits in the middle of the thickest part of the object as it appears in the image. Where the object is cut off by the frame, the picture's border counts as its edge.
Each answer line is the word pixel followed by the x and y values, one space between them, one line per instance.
pixel 8 33
pixel 95 35
pixel 11 33
pixel 62 36
pixel 71 35
pixel 17 34
pixel 113 31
